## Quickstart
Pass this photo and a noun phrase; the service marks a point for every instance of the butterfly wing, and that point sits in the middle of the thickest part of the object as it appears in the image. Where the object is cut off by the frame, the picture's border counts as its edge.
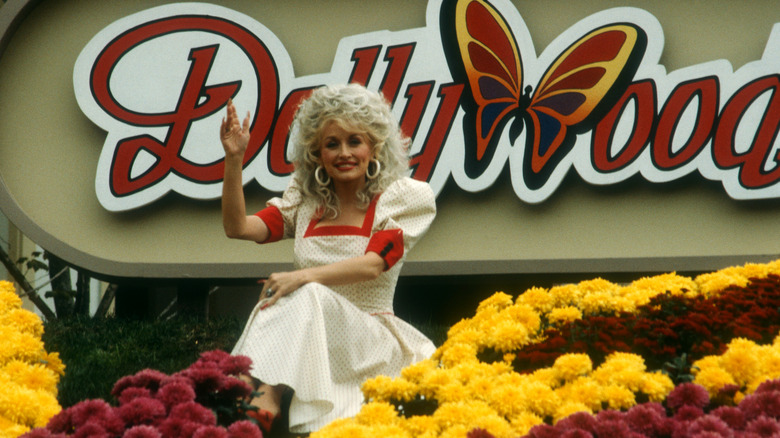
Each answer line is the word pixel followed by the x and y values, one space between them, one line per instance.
pixel 585 80
pixel 482 52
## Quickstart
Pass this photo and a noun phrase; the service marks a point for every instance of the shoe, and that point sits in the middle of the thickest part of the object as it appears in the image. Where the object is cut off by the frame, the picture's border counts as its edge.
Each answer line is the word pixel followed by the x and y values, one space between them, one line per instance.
pixel 264 419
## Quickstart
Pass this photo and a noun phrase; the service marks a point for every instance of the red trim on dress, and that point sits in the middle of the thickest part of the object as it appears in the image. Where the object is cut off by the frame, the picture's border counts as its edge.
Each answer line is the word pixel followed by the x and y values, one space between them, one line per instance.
pixel 273 219
pixel 389 244
pixel 342 230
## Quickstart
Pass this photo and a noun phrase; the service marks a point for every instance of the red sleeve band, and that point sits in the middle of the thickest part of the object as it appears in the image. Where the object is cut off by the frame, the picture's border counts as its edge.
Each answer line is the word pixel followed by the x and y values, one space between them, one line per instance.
pixel 272 218
pixel 389 244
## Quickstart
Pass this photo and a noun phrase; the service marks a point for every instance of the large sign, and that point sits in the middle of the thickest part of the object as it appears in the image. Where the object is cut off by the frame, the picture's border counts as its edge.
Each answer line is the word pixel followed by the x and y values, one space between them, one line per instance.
pixel 468 88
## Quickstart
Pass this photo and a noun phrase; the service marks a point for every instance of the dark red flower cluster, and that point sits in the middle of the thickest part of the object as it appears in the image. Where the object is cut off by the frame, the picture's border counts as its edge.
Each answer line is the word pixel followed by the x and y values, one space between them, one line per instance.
pixel 686 415
pixel 206 400
pixel 667 328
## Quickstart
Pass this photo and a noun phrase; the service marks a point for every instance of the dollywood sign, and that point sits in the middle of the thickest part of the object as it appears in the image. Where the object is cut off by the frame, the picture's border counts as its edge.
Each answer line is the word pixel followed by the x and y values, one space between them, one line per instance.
pixel 468 89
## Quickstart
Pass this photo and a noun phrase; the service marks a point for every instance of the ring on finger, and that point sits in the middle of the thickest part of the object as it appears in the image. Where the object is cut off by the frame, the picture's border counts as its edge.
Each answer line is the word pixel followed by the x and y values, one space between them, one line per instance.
pixel 269 293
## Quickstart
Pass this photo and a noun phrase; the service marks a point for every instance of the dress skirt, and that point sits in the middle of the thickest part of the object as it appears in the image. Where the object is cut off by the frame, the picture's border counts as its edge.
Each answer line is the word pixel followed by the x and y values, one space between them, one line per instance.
pixel 322 346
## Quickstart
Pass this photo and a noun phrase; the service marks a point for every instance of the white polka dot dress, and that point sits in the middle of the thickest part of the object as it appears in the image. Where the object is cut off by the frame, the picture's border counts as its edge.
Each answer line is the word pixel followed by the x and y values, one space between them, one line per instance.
pixel 324 342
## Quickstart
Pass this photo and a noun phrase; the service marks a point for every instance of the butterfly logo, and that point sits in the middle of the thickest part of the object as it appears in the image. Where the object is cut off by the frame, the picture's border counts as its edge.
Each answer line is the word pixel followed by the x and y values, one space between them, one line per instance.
pixel 573 94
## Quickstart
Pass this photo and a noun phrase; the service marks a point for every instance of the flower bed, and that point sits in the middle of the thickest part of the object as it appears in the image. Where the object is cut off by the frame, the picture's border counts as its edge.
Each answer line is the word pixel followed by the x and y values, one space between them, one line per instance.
pixel 28 374
pixel 206 400
pixel 667 356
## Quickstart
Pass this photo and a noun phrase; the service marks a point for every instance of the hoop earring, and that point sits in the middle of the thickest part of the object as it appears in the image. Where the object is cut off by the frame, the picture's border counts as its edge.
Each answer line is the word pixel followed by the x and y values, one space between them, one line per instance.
pixel 369 175
pixel 318 178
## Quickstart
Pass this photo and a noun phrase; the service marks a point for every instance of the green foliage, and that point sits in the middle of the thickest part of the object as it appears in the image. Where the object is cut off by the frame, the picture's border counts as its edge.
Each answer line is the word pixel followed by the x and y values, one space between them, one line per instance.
pixel 97 352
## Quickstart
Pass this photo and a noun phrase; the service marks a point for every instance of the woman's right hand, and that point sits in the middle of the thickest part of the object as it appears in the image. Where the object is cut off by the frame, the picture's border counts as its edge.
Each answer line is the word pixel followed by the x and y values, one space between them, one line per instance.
pixel 233 134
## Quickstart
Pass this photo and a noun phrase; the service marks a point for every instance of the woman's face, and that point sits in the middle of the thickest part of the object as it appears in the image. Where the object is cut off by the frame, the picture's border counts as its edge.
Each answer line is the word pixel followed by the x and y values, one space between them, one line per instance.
pixel 345 153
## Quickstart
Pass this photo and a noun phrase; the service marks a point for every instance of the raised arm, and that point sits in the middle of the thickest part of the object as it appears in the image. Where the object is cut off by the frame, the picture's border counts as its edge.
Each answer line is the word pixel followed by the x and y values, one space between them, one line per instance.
pixel 235 137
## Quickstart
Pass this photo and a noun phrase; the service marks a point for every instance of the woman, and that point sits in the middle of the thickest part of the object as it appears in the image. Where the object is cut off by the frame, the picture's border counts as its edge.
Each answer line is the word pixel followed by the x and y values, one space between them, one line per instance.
pixel 325 327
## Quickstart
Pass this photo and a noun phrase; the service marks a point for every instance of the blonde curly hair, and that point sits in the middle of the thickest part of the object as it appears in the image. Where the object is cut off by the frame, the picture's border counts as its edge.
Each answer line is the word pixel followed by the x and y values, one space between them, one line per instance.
pixel 356 107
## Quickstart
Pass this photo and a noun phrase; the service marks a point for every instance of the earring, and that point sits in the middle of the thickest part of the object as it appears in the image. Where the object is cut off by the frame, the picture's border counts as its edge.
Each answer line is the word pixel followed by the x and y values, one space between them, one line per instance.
pixel 369 175
pixel 322 182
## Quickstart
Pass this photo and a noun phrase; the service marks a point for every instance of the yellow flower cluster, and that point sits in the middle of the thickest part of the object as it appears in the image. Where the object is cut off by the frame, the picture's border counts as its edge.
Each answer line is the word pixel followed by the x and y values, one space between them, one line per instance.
pixel 492 396
pixel 28 374
pixel 744 364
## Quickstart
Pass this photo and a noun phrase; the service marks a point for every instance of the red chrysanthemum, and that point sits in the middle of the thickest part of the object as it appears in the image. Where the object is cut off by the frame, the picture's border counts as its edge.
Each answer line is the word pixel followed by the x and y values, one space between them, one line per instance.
pixel 142 431
pixel 688 394
pixel 244 429
pixel 142 410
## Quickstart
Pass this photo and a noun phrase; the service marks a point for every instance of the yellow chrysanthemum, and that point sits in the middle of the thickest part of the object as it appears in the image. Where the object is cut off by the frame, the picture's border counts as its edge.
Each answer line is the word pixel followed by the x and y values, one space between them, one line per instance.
pixel 741 360
pixel 582 390
pixel 540 399
pixel 598 285
pixel 21 346
pixel 23 321
pixel 417 372
pixel 537 298
pixel 570 366
pixel 657 386
pixel 377 413
pixel 713 379
pixel 9 300
pixel 567 408
pixel 458 353
pixel 508 335
pixel 523 422
pixel 52 361
pixel 32 376
pixel 565 295
pixel 384 388
pixel 564 315
pixel 498 301
pixel 421 426
pixel 618 397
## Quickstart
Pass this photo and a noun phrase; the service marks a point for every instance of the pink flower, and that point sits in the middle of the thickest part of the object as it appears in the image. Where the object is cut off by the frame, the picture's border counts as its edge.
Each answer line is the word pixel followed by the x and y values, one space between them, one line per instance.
pixel 576 433
pixel 215 356
pixel 688 394
pixel 142 431
pixel 95 411
pixel 710 423
pixel 578 420
pixel 175 392
pixel 210 432
pixel 87 410
pixel 688 413
pixel 768 385
pixel 207 379
pixel 62 422
pixel 543 431
pixel 178 428
pixel 234 388
pixel 235 365
pixel 132 392
pixel 142 410
pixel 731 416
pixel 194 412
pixel 122 384
pixel 604 428
pixel 244 429
pixel 764 426
pixel 761 403
pixel 147 378
pixel 91 430
pixel 610 415
pixel 645 419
